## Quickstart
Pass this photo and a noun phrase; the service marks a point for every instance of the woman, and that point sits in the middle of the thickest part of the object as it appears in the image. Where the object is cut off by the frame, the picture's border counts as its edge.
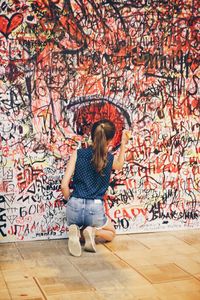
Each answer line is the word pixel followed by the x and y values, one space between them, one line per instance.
pixel 91 169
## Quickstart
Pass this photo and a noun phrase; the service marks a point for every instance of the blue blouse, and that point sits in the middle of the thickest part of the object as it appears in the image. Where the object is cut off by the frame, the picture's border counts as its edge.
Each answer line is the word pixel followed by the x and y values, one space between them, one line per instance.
pixel 87 182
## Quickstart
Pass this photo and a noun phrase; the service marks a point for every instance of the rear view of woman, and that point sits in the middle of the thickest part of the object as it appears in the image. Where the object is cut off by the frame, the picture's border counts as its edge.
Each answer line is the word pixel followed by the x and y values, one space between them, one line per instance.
pixel 91 169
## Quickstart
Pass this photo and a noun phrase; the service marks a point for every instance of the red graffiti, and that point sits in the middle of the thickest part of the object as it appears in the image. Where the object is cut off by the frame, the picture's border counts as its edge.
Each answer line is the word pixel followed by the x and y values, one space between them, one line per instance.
pixel 7 26
pixel 87 115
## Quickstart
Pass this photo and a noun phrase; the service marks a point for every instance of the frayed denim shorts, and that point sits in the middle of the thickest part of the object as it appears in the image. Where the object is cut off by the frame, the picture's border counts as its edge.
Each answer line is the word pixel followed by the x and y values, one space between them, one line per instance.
pixel 85 212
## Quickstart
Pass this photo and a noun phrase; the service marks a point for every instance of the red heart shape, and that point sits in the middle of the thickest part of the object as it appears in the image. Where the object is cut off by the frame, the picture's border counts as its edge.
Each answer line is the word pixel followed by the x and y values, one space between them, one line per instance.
pixel 8 25
pixel 3 24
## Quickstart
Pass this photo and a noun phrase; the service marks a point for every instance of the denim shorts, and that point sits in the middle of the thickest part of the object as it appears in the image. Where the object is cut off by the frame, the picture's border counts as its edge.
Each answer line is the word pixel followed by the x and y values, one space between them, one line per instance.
pixel 85 212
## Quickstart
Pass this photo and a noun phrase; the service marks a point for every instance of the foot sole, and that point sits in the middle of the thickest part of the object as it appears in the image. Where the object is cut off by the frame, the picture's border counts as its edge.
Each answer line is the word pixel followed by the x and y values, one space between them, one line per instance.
pixel 89 236
pixel 74 245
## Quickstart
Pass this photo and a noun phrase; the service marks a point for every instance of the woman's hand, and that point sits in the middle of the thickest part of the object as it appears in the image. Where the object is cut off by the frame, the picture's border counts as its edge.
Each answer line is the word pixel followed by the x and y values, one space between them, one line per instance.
pixel 65 191
pixel 119 160
pixel 126 135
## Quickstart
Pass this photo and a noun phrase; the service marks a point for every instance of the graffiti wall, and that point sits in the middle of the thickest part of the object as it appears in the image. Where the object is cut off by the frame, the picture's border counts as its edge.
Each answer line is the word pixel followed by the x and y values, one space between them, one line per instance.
pixel 67 63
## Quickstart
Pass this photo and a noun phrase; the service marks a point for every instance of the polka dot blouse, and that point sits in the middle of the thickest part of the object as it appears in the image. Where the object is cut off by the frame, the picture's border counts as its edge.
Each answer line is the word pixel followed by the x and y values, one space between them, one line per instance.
pixel 87 182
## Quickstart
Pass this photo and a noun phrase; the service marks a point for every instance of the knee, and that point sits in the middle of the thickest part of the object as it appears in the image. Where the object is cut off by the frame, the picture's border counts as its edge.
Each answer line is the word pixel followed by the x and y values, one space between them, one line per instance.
pixel 112 235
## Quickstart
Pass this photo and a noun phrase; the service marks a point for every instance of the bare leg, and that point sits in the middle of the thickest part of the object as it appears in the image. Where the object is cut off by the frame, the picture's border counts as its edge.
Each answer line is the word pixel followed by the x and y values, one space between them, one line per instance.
pixel 106 233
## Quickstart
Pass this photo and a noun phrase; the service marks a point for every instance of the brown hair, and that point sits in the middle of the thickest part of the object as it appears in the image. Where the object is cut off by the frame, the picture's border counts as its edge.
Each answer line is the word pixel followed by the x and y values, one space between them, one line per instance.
pixel 102 131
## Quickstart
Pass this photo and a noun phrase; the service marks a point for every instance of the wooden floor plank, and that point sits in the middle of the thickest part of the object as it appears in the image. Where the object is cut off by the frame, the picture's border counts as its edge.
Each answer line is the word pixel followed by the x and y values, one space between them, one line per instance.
pixel 189 263
pixel 163 273
pixel 124 294
pixel 24 289
pixel 178 287
pixel 197 276
pixel 4 292
pixel 190 295
pixel 166 244
pixel 77 296
pixel 146 266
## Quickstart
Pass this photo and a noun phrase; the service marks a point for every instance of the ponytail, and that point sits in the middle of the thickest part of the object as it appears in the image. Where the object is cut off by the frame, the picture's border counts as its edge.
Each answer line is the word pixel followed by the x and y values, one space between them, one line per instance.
pixel 102 132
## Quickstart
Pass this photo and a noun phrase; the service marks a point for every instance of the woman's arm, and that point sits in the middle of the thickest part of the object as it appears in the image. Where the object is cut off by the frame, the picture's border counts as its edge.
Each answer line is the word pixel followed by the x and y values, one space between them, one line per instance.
pixel 68 174
pixel 119 160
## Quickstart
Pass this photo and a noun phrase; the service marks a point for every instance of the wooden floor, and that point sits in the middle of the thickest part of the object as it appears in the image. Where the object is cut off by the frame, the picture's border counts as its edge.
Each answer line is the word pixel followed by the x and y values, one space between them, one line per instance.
pixel 164 265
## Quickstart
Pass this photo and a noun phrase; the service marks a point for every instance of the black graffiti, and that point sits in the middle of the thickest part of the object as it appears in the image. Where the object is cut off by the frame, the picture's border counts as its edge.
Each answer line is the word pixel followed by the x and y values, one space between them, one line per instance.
pixel 164 212
pixel 53 185
pixel 121 223
pixel 41 208
pixel 2 217
pixel 37 228
pixel 178 62
pixel 145 64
